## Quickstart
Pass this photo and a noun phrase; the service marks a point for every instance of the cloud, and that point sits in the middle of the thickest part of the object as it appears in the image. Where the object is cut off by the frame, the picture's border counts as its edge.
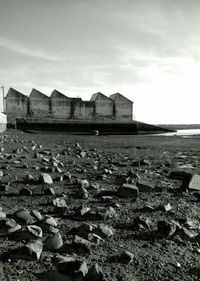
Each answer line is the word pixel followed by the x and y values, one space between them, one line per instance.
pixel 25 49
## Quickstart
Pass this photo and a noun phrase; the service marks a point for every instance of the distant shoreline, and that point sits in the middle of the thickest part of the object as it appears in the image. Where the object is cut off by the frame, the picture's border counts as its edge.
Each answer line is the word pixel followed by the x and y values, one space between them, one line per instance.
pixel 180 126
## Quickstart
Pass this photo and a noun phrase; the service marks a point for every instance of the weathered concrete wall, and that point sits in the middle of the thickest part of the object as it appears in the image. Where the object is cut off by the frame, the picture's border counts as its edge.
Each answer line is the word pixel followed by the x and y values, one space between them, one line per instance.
pixel 60 105
pixel 104 107
pixel 84 110
pixel 3 122
pixel 123 107
pixel 16 105
pixel 39 104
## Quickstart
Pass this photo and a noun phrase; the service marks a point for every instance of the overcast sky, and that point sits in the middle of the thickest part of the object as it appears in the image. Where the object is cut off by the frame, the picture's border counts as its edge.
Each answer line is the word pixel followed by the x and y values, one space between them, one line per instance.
pixel 148 50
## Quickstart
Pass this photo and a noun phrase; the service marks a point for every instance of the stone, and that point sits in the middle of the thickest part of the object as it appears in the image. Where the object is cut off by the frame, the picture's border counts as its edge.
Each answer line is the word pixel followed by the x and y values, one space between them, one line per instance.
pixel 166 228
pixel 83 230
pixel 177 175
pixel 144 186
pixel 35 231
pixel 141 223
pixel 37 215
pixel 25 192
pixel 49 191
pixel 8 226
pixel 94 238
pixel 128 191
pixel 84 193
pixel 31 232
pixel 54 242
pixel 31 251
pixel 194 183
pixel 45 178
pixel 60 203
pixel 167 207
pixel 95 273
pixel 28 179
pixel 73 268
pixel 104 230
pixel 1 173
pixel 4 187
pixel 126 257
pixel 81 245
pixel 23 216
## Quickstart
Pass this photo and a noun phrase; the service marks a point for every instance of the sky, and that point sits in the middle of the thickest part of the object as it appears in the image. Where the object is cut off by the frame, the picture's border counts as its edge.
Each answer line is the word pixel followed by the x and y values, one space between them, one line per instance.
pixel 148 50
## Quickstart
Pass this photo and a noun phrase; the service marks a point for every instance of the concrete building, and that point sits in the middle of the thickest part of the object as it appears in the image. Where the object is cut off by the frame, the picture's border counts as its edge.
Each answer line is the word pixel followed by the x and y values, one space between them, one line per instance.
pixel 104 106
pixel 60 105
pixel 123 107
pixel 16 105
pixel 39 104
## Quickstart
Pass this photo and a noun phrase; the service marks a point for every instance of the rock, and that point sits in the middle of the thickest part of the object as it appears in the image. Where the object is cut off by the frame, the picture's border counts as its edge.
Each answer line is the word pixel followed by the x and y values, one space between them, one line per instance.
pixel 94 185
pixel 144 186
pixel 31 251
pixel 194 182
pixel 84 183
pixel 35 231
pixel 126 257
pixel 166 228
pixel 9 226
pixel 104 230
pixel 45 178
pixel 28 179
pixel 2 215
pixel 48 224
pixel 81 245
pixel 4 187
pixel 32 232
pixel 83 230
pixel 23 216
pixel 1 173
pixel 95 273
pixel 54 242
pixel 188 234
pixel 94 238
pixel 49 191
pixel 82 154
pixel 74 268
pixel 177 175
pixel 128 191
pixel 121 179
pixel 141 223
pixel 37 215
pixel 167 207
pixel 84 193
pixel 60 203
pixel 25 192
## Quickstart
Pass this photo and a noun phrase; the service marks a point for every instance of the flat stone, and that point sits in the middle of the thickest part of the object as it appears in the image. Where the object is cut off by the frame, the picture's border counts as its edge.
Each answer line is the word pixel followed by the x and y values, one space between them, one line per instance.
pixel 194 183
pixel 144 186
pixel 128 191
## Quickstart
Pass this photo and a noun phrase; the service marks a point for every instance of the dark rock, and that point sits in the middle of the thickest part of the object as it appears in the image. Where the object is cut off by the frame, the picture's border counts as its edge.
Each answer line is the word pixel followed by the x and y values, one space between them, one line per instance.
pixel 144 186
pixel 128 191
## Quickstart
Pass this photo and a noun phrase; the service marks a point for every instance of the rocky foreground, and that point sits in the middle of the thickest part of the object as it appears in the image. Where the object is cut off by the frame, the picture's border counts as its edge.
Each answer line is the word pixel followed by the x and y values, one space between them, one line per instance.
pixel 97 208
